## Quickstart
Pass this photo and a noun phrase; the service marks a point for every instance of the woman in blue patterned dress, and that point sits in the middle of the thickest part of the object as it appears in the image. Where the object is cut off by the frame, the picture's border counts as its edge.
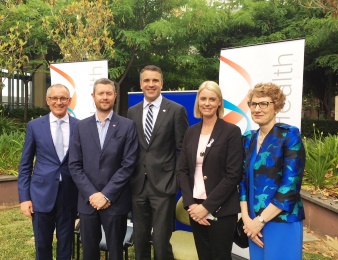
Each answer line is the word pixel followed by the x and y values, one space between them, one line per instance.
pixel 271 205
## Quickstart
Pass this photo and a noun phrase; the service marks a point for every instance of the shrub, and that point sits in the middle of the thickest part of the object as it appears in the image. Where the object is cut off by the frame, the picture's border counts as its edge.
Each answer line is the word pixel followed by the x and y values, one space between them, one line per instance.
pixel 325 127
pixel 33 112
pixel 10 152
pixel 321 160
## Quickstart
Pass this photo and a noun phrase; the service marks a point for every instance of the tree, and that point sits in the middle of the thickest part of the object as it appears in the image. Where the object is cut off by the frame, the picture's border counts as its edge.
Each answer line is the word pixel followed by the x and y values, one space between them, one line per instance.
pixel 265 21
pixel 80 29
pixel 169 34
pixel 25 17
pixel 330 6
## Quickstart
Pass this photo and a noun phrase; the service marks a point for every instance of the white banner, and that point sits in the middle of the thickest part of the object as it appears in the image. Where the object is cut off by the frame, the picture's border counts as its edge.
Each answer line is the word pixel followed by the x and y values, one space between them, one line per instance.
pixel 243 67
pixel 79 78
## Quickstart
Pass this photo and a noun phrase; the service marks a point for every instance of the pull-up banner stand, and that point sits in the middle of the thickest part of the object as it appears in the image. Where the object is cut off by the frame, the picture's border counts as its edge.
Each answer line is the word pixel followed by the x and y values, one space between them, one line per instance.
pixel 242 68
pixel 79 78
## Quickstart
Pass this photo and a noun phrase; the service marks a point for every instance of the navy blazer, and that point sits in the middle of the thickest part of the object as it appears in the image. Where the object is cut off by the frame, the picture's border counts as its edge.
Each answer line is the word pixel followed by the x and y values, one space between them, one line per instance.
pixel 278 172
pixel 39 181
pixel 107 170
pixel 222 167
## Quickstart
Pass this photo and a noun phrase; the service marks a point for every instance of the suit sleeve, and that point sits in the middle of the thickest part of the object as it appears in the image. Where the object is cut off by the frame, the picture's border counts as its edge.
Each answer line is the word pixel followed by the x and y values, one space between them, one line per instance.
pixel 123 174
pixel 86 188
pixel 181 125
pixel 26 165
pixel 184 173
pixel 288 192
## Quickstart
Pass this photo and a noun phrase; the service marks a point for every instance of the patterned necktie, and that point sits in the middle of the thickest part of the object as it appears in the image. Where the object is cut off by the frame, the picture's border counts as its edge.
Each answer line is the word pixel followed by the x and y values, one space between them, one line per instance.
pixel 59 140
pixel 149 123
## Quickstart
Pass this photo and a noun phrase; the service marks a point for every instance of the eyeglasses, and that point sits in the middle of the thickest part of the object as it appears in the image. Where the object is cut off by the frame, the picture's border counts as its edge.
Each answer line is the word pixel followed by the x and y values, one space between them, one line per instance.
pixel 262 104
pixel 62 99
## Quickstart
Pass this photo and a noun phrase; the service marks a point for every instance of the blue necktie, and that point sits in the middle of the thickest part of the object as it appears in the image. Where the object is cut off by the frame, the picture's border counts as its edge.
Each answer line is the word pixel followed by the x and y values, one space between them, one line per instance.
pixel 59 140
pixel 149 124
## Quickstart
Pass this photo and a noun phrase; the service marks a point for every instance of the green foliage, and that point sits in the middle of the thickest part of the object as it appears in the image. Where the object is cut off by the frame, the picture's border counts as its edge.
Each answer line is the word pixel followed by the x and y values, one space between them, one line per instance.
pixel 8 125
pixel 33 112
pixel 11 144
pixel 321 160
pixel 16 238
pixel 325 127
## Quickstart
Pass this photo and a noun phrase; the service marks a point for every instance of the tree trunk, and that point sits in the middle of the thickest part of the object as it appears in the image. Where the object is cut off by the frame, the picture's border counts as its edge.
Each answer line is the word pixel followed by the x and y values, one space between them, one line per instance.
pixel 328 96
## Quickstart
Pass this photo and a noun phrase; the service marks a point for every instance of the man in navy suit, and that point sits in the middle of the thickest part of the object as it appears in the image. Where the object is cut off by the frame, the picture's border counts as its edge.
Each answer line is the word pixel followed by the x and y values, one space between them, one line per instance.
pixel 154 184
pixel 47 193
pixel 102 158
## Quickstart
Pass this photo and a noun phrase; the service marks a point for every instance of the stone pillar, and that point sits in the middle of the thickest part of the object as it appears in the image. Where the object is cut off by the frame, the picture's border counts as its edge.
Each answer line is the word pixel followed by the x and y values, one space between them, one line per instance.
pixel 39 87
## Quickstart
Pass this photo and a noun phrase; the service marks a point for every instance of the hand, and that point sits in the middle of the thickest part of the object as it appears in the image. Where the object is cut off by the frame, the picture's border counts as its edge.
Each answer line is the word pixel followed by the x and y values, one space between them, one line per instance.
pixel 27 208
pixel 97 200
pixel 253 227
pixel 107 205
pixel 257 240
pixel 198 212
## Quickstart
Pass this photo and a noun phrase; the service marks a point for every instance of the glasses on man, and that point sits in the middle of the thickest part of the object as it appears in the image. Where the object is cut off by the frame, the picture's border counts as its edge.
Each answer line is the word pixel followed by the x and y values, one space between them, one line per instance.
pixel 262 104
pixel 55 99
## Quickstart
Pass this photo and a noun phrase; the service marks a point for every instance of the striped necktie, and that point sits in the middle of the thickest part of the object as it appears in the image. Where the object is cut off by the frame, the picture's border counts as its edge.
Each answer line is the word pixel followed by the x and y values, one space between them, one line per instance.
pixel 149 123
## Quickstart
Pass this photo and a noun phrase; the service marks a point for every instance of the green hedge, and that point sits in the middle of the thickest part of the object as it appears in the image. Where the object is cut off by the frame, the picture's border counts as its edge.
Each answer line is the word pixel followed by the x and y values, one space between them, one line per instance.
pixel 323 126
pixel 18 113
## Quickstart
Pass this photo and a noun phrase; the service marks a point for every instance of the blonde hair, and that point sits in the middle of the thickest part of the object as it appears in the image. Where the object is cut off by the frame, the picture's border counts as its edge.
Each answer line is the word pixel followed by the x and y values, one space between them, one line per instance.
pixel 214 87
pixel 270 90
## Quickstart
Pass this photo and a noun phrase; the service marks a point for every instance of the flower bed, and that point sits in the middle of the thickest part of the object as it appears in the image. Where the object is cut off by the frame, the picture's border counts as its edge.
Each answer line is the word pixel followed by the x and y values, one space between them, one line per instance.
pixel 8 190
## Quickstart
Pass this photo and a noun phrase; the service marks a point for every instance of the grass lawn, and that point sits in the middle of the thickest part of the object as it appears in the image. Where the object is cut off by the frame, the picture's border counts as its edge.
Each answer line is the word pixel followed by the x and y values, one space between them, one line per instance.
pixel 16 238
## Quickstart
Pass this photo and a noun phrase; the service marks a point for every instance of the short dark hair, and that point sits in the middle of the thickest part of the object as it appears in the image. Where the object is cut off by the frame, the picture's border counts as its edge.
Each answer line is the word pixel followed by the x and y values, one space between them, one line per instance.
pixel 104 81
pixel 152 68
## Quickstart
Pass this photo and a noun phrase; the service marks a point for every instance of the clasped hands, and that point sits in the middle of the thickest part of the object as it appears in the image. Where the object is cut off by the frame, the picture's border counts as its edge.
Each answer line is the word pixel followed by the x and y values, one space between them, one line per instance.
pixel 198 213
pixel 252 228
pixel 98 201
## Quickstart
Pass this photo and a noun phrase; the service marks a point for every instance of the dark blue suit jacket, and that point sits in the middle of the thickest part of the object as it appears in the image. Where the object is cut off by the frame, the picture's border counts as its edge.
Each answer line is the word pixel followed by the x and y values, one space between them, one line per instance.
pixel 38 180
pixel 107 170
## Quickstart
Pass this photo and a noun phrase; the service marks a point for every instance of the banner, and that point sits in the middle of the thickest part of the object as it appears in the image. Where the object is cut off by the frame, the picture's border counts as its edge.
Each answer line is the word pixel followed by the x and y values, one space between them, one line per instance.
pixel 243 67
pixel 79 78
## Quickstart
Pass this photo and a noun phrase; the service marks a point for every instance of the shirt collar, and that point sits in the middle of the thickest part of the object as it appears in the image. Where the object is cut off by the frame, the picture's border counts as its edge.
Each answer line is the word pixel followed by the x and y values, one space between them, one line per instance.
pixel 53 118
pixel 108 117
pixel 157 102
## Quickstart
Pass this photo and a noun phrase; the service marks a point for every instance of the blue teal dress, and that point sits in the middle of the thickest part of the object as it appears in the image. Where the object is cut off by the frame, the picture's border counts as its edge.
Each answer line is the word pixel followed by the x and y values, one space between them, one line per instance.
pixel 283 235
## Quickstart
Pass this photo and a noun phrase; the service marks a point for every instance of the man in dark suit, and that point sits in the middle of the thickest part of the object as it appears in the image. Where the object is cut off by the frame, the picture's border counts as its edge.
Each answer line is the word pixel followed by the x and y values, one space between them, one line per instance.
pixel 102 158
pixel 47 193
pixel 154 184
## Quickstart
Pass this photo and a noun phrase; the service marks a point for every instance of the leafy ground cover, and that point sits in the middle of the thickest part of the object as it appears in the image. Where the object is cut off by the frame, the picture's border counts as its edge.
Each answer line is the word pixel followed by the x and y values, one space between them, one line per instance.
pixel 17 243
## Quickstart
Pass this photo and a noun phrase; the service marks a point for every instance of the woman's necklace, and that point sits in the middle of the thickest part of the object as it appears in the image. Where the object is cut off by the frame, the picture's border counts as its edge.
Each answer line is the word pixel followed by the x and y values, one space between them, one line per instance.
pixel 261 138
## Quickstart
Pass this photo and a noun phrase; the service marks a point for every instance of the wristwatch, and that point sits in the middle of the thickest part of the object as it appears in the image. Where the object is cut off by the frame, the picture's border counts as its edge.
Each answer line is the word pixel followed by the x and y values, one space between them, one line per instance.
pixel 261 219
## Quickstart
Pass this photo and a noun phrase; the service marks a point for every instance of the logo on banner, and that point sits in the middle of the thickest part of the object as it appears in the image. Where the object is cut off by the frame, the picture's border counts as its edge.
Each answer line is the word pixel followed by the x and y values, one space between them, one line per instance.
pixel 72 83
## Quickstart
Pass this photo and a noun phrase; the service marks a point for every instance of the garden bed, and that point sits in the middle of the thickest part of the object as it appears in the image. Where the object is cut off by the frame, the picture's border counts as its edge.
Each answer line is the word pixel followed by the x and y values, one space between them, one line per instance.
pixel 8 190
pixel 321 214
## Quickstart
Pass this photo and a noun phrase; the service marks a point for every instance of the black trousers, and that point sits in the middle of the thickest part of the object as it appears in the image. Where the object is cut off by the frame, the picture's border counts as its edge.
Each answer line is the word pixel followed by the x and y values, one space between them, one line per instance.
pixel 214 242
pixel 114 226
pixel 153 213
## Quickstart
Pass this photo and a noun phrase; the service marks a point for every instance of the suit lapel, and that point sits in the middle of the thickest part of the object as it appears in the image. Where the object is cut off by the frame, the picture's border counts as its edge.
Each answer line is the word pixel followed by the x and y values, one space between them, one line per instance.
pixel 47 135
pixel 114 122
pixel 139 123
pixel 214 137
pixel 94 131
pixel 195 136
pixel 72 123
pixel 162 113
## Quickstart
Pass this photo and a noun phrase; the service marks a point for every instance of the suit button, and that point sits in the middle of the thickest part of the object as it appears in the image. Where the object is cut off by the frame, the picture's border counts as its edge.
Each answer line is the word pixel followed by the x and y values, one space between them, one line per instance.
pixel 205 178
